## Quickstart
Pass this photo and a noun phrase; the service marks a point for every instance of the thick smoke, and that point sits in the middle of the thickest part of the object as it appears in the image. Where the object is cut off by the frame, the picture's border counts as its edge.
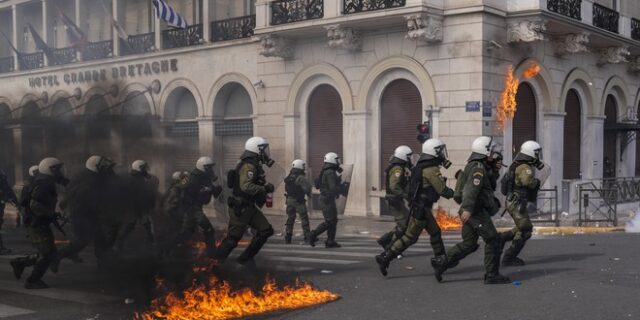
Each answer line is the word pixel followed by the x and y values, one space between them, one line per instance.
pixel 633 226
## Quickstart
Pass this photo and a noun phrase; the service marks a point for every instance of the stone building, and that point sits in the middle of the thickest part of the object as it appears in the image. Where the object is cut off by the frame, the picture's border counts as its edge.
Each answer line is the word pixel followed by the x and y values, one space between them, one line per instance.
pixel 312 76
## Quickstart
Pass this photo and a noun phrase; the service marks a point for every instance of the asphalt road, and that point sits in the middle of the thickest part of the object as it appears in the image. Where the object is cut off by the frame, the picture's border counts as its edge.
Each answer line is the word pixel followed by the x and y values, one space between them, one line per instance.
pixel 566 277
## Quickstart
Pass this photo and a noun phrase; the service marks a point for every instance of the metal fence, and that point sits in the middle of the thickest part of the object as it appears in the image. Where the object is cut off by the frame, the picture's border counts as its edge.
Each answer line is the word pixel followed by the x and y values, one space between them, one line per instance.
pixel 598 205
pixel 547 208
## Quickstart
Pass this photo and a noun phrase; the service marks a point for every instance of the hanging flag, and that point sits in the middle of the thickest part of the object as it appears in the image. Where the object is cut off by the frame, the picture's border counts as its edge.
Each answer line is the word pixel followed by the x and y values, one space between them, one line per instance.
pixel 166 13
pixel 18 53
pixel 119 29
pixel 77 38
pixel 40 44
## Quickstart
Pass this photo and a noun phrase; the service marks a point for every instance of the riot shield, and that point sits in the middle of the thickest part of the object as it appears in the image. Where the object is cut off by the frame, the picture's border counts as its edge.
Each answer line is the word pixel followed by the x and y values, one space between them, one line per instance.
pixel 543 174
pixel 341 203
pixel 275 174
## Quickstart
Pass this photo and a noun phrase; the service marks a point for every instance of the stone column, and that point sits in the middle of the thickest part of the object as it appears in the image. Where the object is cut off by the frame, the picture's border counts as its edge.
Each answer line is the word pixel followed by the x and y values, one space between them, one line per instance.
pixel 553 147
pixel 291 139
pixel 594 138
pixel 115 11
pixel 43 31
pixel 157 30
pixel 263 14
pixel 14 35
pixel 355 152
pixel 626 165
pixel 206 21
pixel 205 132
pixel 18 152
pixel 77 17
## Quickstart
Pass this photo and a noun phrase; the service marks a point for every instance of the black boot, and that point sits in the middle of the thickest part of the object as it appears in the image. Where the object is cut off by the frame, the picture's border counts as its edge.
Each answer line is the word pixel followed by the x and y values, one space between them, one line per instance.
pixel 287 238
pixel 384 259
pixel 224 250
pixel 385 240
pixel 511 255
pixel 440 264
pixel 18 265
pixel 3 250
pixel 251 250
pixel 307 237
pixel 331 237
pixel 496 278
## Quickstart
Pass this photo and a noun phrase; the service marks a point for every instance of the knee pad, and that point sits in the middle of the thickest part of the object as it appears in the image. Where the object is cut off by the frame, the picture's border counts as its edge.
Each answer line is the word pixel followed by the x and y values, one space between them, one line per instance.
pixel 472 248
pixel 526 235
pixel 266 233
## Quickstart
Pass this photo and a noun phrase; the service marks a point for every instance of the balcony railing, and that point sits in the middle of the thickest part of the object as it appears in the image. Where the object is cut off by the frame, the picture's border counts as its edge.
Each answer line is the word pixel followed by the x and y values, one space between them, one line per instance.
pixel 7 64
pixel 98 50
pixel 63 56
pixel 177 38
pixel 139 43
pixel 30 61
pixel 605 18
pixel 287 11
pixel 355 6
pixel 568 8
pixel 235 28
pixel 635 29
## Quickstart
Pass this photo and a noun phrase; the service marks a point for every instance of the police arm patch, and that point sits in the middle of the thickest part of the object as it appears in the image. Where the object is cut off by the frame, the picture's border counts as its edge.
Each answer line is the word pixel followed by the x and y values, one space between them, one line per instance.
pixel 397 174
pixel 476 182
pixel 250 174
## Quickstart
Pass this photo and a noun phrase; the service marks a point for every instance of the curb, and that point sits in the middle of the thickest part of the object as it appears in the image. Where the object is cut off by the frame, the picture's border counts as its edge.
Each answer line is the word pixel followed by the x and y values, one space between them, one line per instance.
pixel 576 230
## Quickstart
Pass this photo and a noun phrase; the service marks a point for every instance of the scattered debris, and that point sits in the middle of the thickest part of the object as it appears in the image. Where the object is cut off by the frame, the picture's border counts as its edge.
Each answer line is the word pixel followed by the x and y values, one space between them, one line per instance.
pixel 129 301
pixel 399 257
pixel 364 232
pixel 96 317
pixel 409 267
pixel 614 259
pixel 592 244
pixel 517 283
pixel 325 271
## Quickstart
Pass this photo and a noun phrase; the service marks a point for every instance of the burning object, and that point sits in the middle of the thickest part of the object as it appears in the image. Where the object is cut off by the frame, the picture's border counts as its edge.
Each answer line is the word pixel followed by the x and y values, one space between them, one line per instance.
pixel 507 107
pixel 447 222
pixel 218 301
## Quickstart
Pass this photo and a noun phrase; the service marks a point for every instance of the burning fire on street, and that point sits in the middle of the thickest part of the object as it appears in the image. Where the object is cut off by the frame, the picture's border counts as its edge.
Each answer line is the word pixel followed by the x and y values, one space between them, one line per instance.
pixel 446 221
pixel 218 301
pixel 507 106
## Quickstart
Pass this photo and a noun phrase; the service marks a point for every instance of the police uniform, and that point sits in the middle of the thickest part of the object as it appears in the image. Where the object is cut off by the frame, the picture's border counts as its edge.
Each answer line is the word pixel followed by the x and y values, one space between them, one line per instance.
pixel 526 187
pixel 330 190
pixel 478 199
pixel 396 193
pixel 142 203
pixel 6 195
pixel 249 191
pixel 297 187
pixel 40 214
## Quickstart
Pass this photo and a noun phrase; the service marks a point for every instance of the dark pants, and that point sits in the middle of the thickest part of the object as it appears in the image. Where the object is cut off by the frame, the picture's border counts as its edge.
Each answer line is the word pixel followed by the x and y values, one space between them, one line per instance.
pixel 520 233
pixel 42 239
pixel 193 218
pixel 240 218
pixel 414 230
pixel 330 214
pixel 294 206
pixel 479 225
pixel 86 230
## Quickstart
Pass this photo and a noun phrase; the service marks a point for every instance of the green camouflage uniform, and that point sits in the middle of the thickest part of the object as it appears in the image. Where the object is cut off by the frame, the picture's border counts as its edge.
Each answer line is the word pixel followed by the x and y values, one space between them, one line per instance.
pixel 478 198
pixel 296 203
pixel 422 217
pixel 330 190
pixel 526 187
pixel 396 193
pixel 249 197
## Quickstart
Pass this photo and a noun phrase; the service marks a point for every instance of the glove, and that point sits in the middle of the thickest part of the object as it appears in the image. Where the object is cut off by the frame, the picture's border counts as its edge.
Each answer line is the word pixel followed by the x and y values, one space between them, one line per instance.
pixel 536 183
pixel 269 188
pixel 447 193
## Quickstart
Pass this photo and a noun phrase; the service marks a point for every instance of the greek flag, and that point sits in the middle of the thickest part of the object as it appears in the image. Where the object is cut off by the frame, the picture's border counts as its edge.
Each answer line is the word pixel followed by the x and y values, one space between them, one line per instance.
pixel 166 13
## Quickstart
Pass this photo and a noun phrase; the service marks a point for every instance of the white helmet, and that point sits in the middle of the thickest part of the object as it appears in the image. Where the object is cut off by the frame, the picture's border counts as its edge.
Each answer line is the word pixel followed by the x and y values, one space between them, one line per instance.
pixel 33 171
pixel 532 149
pixel 299 164
pixel 92 163
pixel 403 153
pixel 436 148
pixel 176 175
pixel 140 166
pixel 483 145
pixel 256 144
pixel 332 158
pixel 48 166
pixel 203 163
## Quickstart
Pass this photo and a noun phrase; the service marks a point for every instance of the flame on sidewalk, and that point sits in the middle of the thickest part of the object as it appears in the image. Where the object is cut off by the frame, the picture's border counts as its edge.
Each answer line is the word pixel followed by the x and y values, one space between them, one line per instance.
pixel 218 301
pixel 446 221
pixel 507 106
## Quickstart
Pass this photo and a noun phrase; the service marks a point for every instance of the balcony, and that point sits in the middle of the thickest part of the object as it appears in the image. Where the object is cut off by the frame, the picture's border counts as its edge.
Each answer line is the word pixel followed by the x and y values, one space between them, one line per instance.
pixel 567 8
pixel 98 50
pixel 635 29
pixel 178 38
pixel 7 64
pixel 231 29
pixel 63 56
pixel 31 61
pixel 357 6
pixel 139 43
pixel 288 11
pixel 605 18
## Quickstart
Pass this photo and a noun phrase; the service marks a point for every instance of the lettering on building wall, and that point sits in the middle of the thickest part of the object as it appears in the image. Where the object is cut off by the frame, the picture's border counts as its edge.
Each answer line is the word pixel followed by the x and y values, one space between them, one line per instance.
pixel 145 69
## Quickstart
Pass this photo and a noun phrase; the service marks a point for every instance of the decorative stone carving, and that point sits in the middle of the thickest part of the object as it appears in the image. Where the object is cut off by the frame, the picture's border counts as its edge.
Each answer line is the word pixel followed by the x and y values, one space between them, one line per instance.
pixel 526 31
pixel 423 27
pixel 634 64
pixel 614 55
pixel 572 43
pixel 274 46
pixel 345 38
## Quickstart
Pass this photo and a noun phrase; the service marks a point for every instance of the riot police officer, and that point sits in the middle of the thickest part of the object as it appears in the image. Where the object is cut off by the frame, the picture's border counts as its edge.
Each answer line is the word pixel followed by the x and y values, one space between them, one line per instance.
pixel 396 193
pixel 23 201
pixel 331 187
pixel 297 186
pixel 476 207
pixel 426 187
pixel 250 191
pixel 40 213
pixel 6 195
pixel 196 190
pixel 522 194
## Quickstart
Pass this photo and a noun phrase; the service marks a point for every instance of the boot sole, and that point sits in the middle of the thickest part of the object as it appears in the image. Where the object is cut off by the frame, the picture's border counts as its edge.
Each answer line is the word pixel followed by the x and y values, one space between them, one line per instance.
pixel 381 266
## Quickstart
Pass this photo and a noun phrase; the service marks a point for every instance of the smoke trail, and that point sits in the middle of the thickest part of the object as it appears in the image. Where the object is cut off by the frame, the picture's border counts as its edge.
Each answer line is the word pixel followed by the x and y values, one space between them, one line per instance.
pixel 633 226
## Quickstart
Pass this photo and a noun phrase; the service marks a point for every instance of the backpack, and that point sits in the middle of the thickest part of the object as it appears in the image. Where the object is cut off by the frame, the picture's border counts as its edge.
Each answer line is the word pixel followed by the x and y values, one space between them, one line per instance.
pixel 291 188
pixel 233 180
pixel 508 181
pixel 461 179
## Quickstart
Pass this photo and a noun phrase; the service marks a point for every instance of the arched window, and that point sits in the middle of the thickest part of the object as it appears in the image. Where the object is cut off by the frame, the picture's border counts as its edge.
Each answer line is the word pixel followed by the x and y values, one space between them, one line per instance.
pixel 572 136
pixel 609 160
pixel 182 147
pixel 233 124
pixel 525 119
pixel 325 126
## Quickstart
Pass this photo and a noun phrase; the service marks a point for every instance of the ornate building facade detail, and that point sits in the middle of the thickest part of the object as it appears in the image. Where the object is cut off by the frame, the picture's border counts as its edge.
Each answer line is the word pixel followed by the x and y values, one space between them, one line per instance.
pixel 424 27
pixel 344 38
pixel 526 31
pixel 274 46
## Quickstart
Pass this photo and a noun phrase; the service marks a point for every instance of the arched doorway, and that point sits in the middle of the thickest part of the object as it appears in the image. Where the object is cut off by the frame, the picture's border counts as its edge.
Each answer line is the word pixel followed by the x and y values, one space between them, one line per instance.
pixel 182 132
pixel 136 129
pixel 401 112
pixel 7 161
pixel 325 126
pixel 32 136
pixel 525 119
pixel 99 132
pixel 609 160
pixel 63 139
pixel 572 136
pixel 233 124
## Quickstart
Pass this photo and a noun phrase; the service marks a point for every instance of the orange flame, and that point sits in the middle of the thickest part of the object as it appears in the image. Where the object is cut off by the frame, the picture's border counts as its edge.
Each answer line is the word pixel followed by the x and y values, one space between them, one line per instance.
pixel 507 107
pixel 220 302
pixel 446 221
